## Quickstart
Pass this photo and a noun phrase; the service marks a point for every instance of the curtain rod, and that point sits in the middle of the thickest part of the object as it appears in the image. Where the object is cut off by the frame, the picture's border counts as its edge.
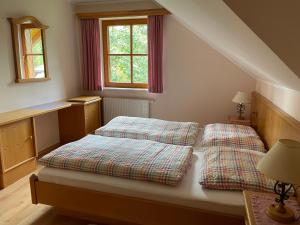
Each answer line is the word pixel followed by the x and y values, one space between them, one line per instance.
pixel 144 12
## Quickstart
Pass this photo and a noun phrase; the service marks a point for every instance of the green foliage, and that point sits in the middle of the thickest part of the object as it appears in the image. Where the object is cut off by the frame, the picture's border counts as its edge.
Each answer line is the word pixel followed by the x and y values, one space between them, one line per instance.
pixel 140 69
pixel 139 39
pixel 119 43
pixel 120 69
pixel 119 39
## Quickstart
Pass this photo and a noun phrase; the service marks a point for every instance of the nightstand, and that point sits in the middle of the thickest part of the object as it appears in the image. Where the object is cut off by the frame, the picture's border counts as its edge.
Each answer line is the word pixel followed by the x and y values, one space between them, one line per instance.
pixel 82 118
pixel 256 203
pixel 237 120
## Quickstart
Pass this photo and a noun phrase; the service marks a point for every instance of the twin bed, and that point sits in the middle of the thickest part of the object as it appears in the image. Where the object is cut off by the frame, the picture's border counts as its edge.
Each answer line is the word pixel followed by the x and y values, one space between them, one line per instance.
pixel 142 150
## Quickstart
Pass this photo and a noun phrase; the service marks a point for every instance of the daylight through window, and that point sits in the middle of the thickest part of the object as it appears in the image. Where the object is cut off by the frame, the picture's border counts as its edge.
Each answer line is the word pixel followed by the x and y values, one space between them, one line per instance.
pixel 125 46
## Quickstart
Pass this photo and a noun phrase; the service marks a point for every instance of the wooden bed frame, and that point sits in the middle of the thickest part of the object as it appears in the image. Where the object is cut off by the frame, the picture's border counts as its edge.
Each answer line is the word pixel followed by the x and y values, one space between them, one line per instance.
pixel 270 122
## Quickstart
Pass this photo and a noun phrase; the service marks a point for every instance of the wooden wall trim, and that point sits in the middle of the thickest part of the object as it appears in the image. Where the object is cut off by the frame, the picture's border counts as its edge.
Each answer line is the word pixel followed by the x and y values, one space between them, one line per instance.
pixel 145 12
pixel 271 122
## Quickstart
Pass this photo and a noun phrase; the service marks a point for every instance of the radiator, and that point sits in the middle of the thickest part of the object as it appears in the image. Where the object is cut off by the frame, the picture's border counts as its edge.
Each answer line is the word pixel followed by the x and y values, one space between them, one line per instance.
pixel 113 107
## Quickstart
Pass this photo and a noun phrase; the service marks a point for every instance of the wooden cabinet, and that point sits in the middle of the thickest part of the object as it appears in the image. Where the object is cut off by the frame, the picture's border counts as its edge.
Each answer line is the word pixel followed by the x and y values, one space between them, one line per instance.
pixel 17 151
pixel 82 118
pixel 18 155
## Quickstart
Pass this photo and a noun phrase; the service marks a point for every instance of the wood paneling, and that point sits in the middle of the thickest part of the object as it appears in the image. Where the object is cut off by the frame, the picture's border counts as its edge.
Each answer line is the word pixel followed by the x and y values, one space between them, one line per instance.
pixel 145 12
pixel 271 122
pixel 116 207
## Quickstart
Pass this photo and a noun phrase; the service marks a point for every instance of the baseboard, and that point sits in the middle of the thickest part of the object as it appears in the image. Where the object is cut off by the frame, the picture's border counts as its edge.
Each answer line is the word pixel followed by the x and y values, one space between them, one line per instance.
pixel 47 150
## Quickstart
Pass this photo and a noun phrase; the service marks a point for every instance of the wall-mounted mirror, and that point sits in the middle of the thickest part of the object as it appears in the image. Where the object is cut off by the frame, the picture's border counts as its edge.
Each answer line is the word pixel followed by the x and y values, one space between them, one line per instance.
pixel 28 38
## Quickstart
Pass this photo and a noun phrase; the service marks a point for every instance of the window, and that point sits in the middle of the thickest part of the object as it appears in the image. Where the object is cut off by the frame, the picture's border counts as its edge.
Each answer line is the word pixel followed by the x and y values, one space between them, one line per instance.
pixel 32 51
pixel 125 47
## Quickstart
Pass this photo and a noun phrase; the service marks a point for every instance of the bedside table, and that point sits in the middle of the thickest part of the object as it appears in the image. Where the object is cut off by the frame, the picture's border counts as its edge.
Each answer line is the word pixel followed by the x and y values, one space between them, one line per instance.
pixel 237 120
pixel 256 204
pixel 82 118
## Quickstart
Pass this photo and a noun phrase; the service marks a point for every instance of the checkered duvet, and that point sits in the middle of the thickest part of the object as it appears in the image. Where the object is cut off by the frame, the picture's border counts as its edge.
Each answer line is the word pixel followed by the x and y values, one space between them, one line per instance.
pixel 169 132
pixel 121 157
pixel 231 135
pixel 233 169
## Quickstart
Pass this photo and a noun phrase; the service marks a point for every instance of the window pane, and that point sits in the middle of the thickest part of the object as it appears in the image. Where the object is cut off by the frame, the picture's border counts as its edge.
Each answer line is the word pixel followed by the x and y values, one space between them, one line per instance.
pixel 33 41
pixel 119 39
pixel 140 69
pixel 120 69
pixel 34 66
pixel 139 39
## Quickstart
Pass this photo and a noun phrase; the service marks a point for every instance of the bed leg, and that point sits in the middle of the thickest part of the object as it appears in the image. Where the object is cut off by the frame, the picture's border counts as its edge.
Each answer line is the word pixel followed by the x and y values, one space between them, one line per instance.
pixel 33 179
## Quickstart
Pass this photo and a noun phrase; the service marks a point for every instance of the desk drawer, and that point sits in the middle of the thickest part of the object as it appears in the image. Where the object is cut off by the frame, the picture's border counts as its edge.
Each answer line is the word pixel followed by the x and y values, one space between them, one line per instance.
pixel 17 143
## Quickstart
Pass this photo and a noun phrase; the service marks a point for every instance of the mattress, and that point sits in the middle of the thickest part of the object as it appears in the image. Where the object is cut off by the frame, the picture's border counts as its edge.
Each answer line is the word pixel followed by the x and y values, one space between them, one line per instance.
pixel 188 193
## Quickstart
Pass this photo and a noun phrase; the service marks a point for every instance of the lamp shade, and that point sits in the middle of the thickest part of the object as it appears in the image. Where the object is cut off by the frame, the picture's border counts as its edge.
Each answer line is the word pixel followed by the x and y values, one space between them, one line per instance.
pixel 241 97
pixel 282 162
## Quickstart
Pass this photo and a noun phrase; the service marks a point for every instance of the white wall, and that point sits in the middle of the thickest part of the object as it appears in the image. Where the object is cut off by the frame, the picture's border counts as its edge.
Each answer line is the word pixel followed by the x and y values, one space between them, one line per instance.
pixel 62 58
pixel 286 99
pixel 199 82
pixel 219 26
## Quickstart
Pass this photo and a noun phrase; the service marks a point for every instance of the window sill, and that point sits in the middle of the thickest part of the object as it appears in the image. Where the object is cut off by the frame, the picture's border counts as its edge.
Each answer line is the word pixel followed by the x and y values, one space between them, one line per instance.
pixel 125 89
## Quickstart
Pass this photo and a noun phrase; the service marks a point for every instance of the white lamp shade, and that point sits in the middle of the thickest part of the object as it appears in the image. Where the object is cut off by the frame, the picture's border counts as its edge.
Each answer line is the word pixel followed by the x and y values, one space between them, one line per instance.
pixel 241 97
pixel 282 162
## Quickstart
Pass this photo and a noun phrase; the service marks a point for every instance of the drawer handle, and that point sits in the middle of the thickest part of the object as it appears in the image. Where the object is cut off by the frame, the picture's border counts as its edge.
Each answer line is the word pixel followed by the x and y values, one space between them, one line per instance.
pixel 29 138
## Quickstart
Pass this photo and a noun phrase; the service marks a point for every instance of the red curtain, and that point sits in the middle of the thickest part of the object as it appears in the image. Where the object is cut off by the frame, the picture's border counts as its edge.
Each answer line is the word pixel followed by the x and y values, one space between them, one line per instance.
pixel 91 65
pixel 155 51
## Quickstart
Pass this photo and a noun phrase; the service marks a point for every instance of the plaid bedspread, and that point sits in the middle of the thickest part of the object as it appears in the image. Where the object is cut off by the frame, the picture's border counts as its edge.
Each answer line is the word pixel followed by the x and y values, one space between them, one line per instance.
pixel 121 157
pixel 169 132
pixel 232 135
pixel 233 169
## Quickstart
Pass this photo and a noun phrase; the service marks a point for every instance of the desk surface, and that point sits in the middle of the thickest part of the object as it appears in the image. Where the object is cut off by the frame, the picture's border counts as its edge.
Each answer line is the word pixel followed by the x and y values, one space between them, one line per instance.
pixel 20 114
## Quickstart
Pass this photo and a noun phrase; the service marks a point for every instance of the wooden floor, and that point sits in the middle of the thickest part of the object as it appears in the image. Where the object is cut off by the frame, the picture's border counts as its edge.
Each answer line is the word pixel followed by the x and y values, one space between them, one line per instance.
pixel 16 208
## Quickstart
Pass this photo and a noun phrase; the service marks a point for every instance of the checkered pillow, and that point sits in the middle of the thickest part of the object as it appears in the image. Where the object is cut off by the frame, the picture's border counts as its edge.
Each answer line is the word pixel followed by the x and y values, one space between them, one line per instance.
pixel 232 135
pixel 233 169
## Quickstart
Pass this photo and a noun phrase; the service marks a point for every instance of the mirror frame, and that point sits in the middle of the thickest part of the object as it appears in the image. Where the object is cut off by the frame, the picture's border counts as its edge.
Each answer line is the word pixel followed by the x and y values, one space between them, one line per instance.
pixel 14 22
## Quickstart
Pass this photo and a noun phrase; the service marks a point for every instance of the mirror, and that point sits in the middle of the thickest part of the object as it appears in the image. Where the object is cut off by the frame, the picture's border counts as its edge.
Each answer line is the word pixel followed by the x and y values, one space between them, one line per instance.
pixel 28 38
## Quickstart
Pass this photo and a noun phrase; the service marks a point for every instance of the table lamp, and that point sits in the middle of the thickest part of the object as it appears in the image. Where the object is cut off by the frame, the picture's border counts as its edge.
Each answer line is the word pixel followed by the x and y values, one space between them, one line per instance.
pixel 282 163
pixel 241 98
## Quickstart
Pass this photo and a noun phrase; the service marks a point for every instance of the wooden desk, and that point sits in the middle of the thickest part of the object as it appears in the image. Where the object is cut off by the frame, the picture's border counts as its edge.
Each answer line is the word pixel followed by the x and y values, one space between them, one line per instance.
pixel 18 150
pixel 20 114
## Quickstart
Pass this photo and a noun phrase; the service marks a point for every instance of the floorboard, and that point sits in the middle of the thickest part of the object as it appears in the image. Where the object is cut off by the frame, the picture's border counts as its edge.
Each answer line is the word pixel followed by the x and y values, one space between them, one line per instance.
pixel 16 208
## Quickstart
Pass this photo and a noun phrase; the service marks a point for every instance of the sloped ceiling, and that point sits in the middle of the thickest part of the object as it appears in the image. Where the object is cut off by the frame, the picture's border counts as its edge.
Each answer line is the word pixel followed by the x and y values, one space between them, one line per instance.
pixel 277 23
pixel 217 24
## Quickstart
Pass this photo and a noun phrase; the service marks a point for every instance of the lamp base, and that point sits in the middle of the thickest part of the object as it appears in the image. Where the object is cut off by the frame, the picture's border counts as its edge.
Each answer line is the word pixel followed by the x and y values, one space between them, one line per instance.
pixel 280 213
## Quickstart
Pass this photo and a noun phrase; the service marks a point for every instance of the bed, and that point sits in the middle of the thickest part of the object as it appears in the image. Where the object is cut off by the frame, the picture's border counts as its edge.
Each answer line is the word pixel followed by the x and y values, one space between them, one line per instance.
pixel 136 202
pixel 169 132
pixel 118 201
